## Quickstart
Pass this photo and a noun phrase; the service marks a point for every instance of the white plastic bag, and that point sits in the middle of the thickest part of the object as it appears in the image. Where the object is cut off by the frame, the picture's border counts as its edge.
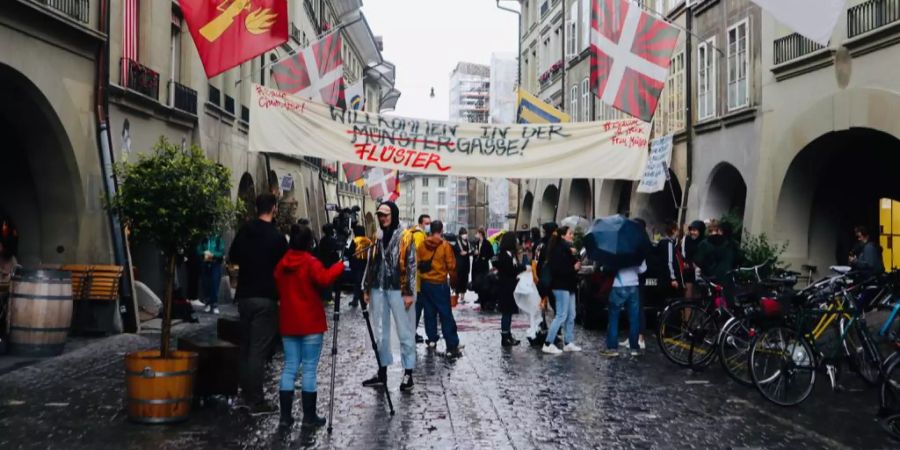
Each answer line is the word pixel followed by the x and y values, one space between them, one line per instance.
pixel 529 302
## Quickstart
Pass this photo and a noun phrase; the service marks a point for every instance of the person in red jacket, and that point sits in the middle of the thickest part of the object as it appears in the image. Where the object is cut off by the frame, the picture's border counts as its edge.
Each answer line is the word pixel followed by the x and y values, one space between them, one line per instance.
pixel 300 277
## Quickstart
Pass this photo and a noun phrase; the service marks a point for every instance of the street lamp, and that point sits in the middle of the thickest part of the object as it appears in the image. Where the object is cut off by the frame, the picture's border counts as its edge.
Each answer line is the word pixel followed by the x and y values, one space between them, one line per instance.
pixel 432 92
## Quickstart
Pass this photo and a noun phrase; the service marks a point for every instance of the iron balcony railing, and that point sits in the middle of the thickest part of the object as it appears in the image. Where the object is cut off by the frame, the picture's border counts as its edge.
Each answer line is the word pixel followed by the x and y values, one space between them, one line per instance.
pixel 79 10
pixel 140 78
pixel 183 97
pixel 871 15
pixel 794 46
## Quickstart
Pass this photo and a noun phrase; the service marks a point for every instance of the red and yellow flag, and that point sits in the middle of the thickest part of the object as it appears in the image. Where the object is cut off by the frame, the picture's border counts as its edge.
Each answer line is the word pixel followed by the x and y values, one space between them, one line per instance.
pixel 230 32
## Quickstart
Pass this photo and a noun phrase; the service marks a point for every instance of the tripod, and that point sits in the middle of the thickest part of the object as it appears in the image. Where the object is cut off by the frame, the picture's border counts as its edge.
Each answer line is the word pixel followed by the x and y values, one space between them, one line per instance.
pixel 336 320
pixel 387 392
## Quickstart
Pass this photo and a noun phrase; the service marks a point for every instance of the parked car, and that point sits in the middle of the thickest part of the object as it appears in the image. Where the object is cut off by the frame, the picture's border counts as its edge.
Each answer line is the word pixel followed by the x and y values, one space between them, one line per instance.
pixel 593 299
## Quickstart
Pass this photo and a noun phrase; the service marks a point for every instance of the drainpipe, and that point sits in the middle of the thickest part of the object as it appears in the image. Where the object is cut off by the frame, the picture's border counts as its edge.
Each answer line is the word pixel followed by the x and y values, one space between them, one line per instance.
pixel 689 116
pixel 519 54
pixel 131 323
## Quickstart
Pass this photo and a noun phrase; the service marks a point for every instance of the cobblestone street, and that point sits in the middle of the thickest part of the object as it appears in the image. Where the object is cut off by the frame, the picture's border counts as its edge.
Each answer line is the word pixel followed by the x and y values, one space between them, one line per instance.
pixel 490 398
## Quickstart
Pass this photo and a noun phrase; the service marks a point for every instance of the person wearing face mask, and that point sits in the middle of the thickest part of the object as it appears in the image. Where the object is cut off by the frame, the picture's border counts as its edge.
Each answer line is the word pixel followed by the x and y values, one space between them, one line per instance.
pixel 691 241
pixel 563 265
pixel 462 249
pixel 482 252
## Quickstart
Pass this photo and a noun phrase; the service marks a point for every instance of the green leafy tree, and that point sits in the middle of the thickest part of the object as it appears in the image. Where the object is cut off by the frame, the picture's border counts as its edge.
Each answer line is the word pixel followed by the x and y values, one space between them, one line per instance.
pixel 757 249
pixel 173 198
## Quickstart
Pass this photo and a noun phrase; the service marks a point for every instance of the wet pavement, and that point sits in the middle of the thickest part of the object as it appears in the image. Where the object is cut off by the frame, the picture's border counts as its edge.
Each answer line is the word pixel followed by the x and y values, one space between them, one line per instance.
pixel 490 398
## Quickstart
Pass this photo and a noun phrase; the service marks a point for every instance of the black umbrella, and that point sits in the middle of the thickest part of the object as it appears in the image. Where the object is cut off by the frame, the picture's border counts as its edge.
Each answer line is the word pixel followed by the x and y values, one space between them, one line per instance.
pixel 615 242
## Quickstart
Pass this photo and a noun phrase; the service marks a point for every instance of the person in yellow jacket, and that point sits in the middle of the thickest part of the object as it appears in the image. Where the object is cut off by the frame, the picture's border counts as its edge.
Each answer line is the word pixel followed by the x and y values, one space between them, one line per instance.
pixel 358 251
pixel 416 235
pixel 437 267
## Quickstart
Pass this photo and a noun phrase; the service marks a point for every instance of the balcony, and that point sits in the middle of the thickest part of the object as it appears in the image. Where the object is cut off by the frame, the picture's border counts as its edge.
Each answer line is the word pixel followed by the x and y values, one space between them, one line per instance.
pixel 794 46
pixel 182 97
pixel 140 79
pixel 76 9
pixel 871 15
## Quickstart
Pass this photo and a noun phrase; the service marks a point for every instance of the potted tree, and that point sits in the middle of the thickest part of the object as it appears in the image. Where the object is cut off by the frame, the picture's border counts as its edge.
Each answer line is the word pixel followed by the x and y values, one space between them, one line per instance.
pixel 172 198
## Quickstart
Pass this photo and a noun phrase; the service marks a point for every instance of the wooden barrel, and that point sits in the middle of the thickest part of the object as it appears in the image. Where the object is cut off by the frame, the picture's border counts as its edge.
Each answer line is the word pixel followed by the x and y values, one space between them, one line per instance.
pixel 159 390
pixel 40 312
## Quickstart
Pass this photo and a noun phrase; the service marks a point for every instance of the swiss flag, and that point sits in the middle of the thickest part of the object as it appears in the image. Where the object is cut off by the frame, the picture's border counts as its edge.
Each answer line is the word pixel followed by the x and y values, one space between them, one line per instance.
pixel 354 171
pixel 230 32
pixel 315 72
pixel 383 184
pixel 630 56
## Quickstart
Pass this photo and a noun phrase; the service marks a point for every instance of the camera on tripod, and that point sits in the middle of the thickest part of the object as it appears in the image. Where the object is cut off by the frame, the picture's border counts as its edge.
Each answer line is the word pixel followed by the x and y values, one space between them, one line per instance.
pixel 346 219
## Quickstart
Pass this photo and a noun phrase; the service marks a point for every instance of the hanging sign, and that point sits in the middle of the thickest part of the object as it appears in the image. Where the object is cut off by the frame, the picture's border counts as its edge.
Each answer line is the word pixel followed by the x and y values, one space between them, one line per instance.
pixel 654 179
pixel 281 123
pixel 287 183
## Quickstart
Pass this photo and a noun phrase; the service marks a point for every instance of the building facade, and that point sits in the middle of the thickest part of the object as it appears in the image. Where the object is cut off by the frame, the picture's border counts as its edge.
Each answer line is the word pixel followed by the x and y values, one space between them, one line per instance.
pixel 54 167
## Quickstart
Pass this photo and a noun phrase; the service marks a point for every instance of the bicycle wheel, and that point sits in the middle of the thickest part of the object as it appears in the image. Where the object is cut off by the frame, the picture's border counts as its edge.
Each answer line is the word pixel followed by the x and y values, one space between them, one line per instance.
pixel 734 350
pixel 782 366
pixel 889 393
pixel 891 424
pixel 864 357
pixel 703 344
pixel 676 326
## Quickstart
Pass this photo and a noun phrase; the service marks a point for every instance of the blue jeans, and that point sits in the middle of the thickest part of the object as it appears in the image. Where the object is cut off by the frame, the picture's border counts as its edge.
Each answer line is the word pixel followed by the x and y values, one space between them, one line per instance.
pixel 506 322
pixel 211 276
pixel 301 351
pixel 565 314
pixel 436 299
pixel 630 299
pixel 387 304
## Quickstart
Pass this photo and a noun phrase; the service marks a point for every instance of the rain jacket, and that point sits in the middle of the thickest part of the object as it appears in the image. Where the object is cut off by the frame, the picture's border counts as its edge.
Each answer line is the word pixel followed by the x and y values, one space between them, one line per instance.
pixel 561 263
pixel 443 261
pixel 716 256
pixel 416 237
pixel 299 277
pixel 213 245
pixel 391 265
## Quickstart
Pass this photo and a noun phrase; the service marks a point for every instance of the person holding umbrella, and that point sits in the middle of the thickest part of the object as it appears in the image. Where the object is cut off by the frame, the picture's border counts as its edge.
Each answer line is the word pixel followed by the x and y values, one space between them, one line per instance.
pixel 563 265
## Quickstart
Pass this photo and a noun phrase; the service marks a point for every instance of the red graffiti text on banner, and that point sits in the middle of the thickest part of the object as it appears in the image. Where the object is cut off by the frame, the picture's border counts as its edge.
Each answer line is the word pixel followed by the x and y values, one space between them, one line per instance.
pixel 402 156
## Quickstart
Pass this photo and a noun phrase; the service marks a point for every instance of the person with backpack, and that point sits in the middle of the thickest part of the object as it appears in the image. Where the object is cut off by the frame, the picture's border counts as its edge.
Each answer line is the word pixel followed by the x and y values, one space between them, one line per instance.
pixel 358 249
pixel 300 277
pixel 416 236
pixel 563 265
pixel 437 263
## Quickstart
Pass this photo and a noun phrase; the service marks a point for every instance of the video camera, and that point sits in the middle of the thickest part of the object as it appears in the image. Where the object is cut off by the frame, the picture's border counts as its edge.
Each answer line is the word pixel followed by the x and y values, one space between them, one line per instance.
pixel 346 219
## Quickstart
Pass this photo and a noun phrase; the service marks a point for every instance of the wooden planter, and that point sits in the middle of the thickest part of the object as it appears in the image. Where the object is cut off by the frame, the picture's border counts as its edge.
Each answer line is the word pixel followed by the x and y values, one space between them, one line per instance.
pixel 159 390
pixel 40 312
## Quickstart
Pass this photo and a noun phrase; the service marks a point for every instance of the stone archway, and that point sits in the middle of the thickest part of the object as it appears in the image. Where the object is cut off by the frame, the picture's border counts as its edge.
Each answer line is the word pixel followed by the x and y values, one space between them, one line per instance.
pixel 247 196
pixel 40 184
pixel 547 210
pixel 726 192
pixel 579 198
pixel 525 213
pixel 834 184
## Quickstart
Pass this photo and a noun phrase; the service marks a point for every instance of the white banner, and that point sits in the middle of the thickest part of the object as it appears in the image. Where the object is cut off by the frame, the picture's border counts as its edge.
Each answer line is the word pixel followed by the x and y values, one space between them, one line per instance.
pixel 281 123
pixel 814 19
pixel 654 179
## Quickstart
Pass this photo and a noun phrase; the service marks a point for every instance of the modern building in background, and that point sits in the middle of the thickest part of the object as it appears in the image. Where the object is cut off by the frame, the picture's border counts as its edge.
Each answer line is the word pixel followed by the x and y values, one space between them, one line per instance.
pixel 502 90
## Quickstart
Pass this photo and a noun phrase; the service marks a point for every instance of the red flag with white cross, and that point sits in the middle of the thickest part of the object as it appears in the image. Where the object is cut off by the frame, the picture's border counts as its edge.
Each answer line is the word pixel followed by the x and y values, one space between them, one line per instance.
pixel 315 72
pixel 383 184
pixel 630 56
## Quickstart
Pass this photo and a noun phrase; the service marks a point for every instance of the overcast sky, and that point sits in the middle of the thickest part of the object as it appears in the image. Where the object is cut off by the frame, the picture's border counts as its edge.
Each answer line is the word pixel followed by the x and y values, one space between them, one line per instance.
pixel 426 38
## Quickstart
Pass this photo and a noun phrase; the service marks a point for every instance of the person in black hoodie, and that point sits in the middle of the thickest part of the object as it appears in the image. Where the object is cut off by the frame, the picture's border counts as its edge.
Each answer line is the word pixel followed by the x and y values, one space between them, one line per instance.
pixel 256 249
pixel 482 253
pixel 689 245
pixel 719 254
pixel 462 249
pixel 508 270
pixel 563 266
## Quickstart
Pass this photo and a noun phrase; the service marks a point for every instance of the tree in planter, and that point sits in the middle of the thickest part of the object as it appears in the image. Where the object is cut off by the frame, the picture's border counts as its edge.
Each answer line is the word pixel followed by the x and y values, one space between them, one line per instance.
pixel 173 198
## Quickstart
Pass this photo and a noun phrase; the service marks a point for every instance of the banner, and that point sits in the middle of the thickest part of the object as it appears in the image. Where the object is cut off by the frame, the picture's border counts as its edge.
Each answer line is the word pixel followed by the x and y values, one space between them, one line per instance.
pixel 657 170
pixel 814 19
pixel 281 123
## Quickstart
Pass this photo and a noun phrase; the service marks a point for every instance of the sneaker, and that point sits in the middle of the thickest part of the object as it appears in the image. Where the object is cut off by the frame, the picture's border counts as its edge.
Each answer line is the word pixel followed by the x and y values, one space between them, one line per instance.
pixel 551 349
pixel 375 381
pixel 641 343
pixel 431 345
pixel 635 352
pixel 609 353
pixel 215 311
pixel 263 408
pixel 419 339
pixel 207 309
pixel 623 343
pixel 571 347
pixel 407 383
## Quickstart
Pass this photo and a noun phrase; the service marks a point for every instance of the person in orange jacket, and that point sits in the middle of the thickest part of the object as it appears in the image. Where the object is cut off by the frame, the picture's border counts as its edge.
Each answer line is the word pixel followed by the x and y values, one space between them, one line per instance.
pixel 300 277
pixel 437 263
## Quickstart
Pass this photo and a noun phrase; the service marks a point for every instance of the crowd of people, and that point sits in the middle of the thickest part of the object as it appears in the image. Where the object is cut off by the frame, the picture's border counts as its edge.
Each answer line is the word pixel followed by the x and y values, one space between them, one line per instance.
pixel 403 275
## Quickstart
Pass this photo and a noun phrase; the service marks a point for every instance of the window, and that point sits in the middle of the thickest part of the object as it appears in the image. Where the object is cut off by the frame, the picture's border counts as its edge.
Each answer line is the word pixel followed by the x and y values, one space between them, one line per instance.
pixel 586 100
pixel 425 198
pixel 442 182
pixel 675 85
pixel 706 79
pixel 442 198
pixel 738 66
pixel 424 182
pixel 585 24
pixel 572 34
pixel 573 109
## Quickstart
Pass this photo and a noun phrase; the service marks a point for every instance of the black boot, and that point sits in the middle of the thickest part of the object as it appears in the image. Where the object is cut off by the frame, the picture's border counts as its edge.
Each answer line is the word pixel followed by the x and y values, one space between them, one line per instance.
pixel 378 380
pixel 286 399
pixel 310 418
pixel 507 339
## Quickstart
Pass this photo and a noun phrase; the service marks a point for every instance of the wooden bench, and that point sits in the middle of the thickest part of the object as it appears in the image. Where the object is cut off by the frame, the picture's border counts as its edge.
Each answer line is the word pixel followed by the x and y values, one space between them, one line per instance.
pixel 95 289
